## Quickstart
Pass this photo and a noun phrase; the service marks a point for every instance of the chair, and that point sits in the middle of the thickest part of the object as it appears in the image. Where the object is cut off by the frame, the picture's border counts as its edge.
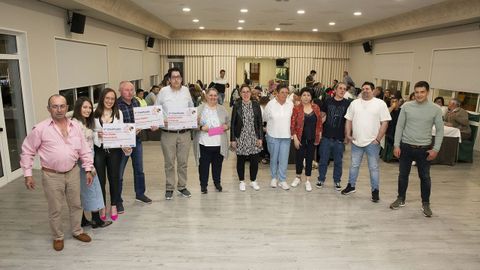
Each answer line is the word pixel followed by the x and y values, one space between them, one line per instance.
pixel 465 149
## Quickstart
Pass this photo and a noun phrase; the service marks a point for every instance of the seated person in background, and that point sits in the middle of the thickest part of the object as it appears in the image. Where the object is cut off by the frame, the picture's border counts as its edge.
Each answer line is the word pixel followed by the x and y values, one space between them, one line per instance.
pixel 458 118
pixel 441 102
pixel 139 96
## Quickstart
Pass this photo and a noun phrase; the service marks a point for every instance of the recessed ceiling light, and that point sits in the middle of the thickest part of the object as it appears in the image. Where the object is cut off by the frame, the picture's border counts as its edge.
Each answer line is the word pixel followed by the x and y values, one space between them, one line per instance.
pixel 277 29
pixel 315 30
pixel 241 21
pixel 357 13
pixel 331 23
pixel 186 9
pixel 201 27
pixel 195 20
pixel 244 10
pixel 239 28
pixel 301 11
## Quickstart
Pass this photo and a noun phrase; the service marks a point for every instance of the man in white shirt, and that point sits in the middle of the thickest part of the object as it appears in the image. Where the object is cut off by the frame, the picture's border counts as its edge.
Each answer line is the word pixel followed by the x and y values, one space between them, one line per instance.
pixel 175 143
pixel 367 122
pixel 221 84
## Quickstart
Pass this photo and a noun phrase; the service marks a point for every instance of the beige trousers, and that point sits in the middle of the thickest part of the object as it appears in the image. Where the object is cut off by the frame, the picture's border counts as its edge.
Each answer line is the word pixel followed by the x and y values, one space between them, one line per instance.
pixel 176 146
pixel 56 188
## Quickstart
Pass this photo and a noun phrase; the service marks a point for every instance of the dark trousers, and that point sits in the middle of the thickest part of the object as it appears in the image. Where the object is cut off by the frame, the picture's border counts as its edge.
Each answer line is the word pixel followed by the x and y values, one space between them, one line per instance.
pixel 138 174
pixel 107 162
pixel 306 151
pixel 253 166
pixel 419 155
pixel 210 155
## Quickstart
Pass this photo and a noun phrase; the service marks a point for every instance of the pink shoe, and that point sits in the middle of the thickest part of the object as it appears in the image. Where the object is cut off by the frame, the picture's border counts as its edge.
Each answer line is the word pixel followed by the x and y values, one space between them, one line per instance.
pixel 114 213
pixel 103 214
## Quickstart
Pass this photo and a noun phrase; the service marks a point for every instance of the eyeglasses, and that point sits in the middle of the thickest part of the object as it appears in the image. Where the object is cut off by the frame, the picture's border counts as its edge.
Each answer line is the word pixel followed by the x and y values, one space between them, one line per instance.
pixel 56 107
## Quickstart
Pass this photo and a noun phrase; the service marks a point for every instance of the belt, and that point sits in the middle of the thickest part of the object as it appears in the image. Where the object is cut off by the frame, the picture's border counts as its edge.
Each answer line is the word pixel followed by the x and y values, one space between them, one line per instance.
pixel 417 146
pixel 57 172
pixel 176 131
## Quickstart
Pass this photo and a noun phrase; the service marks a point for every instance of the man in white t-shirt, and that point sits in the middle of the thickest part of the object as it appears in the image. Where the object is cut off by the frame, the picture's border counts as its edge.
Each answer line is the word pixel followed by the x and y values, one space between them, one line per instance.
pixel 367 122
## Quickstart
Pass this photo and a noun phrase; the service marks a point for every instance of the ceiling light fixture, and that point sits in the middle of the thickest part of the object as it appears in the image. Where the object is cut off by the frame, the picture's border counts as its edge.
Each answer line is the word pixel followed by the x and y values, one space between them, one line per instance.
pixel 315 30
pixel 331 23
pixel 243 10
pixel 239 28
pixel 186 9
pixel 195 20
pixel 301 11
pixel 201 27
pixel 357 13
pixel 277 29
pixel 241 21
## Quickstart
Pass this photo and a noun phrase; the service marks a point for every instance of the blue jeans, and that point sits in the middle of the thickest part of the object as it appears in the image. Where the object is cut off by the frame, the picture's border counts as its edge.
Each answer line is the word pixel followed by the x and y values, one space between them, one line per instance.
pixel 279 149
pixel 138 175
pixel 373 156
pixel 328 147
pixel 221 98
pixel 419 155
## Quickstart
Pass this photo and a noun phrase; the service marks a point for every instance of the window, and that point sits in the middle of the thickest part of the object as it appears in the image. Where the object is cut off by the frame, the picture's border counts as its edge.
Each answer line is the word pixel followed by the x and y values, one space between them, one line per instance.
pixel 8 44
pixel 137 84
pixel 395 86
pixel 92 92
pixel 153 80
pixel 470 101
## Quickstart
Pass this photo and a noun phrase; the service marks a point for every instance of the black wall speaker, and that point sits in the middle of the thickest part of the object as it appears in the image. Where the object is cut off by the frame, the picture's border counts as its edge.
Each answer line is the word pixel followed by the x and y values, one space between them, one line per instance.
pixel 77 24
pixel 367 46
pixel 150 42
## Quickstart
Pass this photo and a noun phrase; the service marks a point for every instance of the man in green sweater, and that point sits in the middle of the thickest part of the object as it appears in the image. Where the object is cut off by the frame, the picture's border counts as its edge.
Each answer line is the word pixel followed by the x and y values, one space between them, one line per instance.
pixel 413 139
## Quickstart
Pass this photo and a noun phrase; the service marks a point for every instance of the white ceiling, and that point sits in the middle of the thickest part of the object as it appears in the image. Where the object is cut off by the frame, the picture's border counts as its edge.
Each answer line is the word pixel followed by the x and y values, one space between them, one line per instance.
pixel 267 14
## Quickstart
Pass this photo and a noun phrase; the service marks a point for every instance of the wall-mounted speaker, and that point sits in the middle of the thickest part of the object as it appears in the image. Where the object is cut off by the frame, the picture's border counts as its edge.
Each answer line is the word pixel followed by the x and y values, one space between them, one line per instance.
pixel 77 23
pixel 150 42
pixel 367 46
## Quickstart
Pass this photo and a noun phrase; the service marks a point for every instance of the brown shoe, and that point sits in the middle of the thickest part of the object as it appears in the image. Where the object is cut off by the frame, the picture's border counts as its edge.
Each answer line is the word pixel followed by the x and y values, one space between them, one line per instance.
pixel 83 237
pixel 58 245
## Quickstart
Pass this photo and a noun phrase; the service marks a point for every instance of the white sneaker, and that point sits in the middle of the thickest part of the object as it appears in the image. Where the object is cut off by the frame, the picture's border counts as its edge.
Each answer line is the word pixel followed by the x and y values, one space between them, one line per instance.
pixel 283 185
pixel 308 186
pixel 273 183
pixel 254 185
pixel 242 186
pixel 296 181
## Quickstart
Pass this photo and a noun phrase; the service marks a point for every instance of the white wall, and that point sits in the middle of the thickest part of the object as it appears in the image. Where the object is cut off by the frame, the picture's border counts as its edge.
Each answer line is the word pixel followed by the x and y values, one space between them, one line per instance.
pixel 422 45
pixel 42 23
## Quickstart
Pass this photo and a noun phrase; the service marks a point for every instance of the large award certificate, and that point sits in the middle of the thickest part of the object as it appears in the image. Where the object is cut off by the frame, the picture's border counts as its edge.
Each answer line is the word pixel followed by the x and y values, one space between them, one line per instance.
pixel 182 118
pixel 147 117
pixel 119 135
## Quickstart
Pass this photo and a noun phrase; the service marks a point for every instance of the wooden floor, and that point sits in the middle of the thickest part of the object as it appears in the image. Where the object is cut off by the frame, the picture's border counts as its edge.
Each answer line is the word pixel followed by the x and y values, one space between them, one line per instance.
pixel 268 229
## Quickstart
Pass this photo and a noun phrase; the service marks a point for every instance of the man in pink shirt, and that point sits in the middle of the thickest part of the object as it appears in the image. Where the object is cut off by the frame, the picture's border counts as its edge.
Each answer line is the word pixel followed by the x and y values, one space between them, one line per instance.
pixel 60 143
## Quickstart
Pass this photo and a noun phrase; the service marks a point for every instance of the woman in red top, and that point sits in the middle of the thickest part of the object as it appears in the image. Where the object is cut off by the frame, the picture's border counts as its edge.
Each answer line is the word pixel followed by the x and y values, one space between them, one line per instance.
pixel 306 129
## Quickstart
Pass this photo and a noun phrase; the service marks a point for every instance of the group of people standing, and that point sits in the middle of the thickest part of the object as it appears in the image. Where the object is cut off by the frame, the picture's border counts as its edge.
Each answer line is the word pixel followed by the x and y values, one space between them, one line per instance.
pixel 61 143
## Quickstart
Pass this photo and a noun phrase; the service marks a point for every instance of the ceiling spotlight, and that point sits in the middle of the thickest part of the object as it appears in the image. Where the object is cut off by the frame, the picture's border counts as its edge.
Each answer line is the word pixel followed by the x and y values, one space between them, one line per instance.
pixel 357 13
pixel 315 30
pixel 277 29
pixel 301 11
pixel 241 21
pixel 186 9
pixel 195 20
pixel 243 10
pixel 331 23
pixel 239 28
pixel 201 27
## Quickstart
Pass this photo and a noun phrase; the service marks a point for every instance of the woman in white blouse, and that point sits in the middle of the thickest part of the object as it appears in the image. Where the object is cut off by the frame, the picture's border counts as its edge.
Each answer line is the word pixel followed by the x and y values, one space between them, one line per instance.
pixel 277 115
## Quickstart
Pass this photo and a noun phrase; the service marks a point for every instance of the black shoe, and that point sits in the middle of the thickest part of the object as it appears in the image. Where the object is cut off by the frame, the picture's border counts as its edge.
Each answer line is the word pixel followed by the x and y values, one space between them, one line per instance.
pixel 349 189
pixel 142 198
pixel 375 195
pixel 204 190
pixel 427 212
pixel 185 193
pixel 101 224
pixel 338 187
pixel 168 194
pixel 120 208
pixel 319 184
pixel 86 222
pixel 218 187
